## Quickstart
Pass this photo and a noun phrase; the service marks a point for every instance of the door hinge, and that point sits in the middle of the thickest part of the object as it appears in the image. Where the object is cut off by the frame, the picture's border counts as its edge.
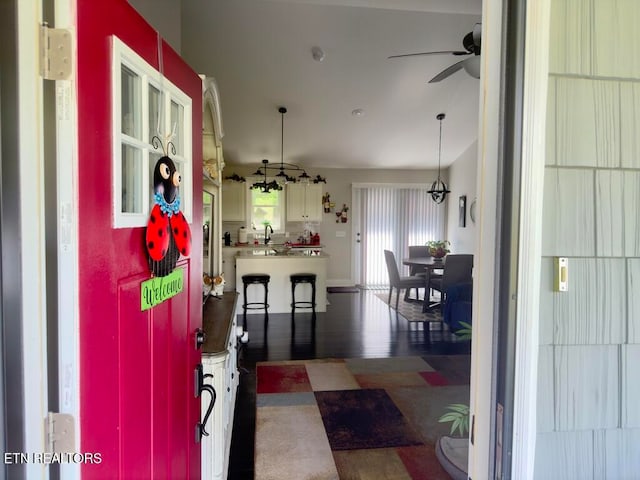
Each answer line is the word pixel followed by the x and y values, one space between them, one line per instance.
pixel 55 53
pixel 60 433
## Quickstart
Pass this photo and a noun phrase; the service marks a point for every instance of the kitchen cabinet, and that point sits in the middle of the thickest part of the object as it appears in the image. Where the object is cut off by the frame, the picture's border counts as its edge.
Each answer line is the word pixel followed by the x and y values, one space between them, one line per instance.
pixel 304 202
pixel 219 359
pixel 234 201
pixel 229 268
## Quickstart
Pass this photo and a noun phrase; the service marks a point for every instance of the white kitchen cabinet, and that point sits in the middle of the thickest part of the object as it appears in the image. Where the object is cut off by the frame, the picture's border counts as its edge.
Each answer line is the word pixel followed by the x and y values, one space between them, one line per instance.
pixel 229 268
pixel 220 359
pixel 304 202
pixel 234 201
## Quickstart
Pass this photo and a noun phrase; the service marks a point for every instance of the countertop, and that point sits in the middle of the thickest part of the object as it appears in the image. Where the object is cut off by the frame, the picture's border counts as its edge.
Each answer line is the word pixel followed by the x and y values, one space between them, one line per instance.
pixel 262 246
pixel 216 322
pixel 248 254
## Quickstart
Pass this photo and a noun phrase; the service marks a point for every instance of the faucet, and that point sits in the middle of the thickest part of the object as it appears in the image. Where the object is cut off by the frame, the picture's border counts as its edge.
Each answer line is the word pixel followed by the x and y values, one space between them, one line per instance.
pixel 267 236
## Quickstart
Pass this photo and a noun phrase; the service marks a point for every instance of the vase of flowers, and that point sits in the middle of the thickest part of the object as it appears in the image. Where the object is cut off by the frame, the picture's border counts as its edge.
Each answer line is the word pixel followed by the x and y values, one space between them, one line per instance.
pixel 438 248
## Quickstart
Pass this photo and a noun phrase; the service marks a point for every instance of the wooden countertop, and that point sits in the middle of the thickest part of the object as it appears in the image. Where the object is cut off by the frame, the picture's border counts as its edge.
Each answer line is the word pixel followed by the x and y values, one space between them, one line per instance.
pixel 217 318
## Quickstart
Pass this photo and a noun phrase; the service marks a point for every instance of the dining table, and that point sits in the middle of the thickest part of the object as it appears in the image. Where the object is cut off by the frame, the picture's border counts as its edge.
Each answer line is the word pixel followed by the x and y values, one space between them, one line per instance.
pixel 429 264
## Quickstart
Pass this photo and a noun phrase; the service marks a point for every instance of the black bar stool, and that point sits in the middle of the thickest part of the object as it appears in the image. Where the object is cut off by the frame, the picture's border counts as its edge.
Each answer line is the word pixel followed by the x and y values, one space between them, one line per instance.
pixel 297 278
pixel 252 279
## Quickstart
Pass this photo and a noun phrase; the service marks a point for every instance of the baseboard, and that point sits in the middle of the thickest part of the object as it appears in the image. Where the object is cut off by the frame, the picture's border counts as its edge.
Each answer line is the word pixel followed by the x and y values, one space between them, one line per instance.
pixel 341 282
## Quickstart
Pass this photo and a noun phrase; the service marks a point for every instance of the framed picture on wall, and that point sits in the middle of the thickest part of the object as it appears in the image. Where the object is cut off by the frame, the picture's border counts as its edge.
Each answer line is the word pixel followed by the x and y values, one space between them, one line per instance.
pixel 462 211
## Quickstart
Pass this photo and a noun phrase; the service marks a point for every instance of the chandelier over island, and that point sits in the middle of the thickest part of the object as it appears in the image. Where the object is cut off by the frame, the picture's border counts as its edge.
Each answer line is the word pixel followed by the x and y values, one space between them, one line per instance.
pixel 287 172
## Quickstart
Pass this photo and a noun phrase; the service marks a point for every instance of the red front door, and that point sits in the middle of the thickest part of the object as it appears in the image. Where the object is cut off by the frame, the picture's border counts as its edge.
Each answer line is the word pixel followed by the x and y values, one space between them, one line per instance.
pixel 137 403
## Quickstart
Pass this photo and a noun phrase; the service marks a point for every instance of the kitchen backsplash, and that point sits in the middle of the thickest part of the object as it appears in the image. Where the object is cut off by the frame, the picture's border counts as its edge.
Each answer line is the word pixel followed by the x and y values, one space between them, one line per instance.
pixel 295 231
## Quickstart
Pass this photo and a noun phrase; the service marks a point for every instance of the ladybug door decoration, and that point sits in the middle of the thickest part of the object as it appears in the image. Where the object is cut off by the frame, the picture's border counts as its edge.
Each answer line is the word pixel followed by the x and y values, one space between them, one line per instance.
pixel 168 233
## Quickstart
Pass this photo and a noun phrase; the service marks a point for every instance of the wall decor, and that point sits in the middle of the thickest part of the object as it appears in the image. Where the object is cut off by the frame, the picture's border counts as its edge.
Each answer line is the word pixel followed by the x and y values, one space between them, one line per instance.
pixel 327 204
pixel 462 211
pixel 158 289
pixel 168 234
pixel 341 214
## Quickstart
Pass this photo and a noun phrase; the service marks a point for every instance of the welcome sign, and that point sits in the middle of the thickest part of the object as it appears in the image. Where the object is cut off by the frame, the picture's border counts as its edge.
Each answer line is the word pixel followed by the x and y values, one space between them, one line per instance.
pixel 158 289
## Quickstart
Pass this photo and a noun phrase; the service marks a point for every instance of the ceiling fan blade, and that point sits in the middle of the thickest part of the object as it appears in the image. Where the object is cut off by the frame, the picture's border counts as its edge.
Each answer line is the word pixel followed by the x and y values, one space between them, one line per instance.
pixel 447 72
pixel 446 52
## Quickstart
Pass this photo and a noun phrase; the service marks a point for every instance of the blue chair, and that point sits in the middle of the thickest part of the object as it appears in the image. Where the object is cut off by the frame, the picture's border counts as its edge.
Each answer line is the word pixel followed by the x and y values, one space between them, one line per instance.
pixel 458 305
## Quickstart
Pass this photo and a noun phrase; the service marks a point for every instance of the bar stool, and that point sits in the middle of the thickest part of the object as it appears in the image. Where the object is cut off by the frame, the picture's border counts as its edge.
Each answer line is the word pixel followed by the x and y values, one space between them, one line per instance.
pixel 255 279
pixel 297 278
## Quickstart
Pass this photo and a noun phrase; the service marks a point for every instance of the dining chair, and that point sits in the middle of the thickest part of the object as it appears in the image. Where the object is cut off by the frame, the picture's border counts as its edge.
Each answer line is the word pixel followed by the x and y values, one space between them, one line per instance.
pixel 457 269
pixel 419 251
pixel 395 280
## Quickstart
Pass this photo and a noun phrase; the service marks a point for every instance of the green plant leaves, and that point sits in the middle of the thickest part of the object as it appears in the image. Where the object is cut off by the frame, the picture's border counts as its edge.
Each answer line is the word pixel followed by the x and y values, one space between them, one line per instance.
pixel 464 333
pixel 458 416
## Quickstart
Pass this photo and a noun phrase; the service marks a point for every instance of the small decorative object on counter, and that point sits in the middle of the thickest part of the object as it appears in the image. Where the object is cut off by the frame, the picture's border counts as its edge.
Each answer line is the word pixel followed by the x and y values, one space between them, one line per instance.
pixel 438 248
pixel 218 285
pixel 342 214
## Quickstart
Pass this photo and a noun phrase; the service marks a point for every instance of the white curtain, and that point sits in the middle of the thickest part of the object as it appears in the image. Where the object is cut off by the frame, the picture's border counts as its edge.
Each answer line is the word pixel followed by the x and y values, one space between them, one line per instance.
pixel 392 218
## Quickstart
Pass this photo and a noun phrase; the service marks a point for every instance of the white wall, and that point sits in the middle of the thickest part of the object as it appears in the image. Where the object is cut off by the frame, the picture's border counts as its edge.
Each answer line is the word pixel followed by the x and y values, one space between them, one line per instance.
pixel 462 181
pixel 338 185
pixel 164 16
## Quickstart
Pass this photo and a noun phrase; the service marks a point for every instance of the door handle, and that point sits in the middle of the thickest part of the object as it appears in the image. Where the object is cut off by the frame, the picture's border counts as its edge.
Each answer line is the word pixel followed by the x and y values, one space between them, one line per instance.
pixel 200 337
pixel 200 386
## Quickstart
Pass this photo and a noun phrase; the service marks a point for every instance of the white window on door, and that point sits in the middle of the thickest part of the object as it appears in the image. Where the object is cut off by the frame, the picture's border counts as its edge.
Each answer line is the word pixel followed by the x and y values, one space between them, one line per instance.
pixel 146 108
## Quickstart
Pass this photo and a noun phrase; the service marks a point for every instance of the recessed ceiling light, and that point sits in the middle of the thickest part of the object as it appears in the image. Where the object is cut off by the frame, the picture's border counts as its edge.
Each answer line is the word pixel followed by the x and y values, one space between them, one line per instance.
pixel 358 112
pixel 317 53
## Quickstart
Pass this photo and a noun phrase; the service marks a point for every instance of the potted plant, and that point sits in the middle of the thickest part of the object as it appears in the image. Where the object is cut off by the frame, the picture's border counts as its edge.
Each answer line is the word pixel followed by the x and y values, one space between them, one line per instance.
pixel 438 248
pixel 452 451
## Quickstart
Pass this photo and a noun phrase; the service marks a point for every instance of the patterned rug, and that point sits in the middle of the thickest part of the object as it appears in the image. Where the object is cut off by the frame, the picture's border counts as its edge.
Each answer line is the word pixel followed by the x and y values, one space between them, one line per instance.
pixel 412 311
pixel 355 418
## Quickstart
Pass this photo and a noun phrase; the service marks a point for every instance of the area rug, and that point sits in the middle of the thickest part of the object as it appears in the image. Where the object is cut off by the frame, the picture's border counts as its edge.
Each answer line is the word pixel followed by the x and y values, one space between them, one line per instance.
pixel 355 418
pixel 412 311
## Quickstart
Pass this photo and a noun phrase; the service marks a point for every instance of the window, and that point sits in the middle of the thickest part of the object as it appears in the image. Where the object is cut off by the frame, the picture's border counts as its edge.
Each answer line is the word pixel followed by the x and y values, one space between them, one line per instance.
pixel 266 208
pixel 145 105
pixel 392 217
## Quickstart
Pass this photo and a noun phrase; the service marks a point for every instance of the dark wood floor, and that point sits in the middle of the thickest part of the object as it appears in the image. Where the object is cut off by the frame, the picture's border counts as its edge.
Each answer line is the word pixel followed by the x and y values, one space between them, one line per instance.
pixel 355 325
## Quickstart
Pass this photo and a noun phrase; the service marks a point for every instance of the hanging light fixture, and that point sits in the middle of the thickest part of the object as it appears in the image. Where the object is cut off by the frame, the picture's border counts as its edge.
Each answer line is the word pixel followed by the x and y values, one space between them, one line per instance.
pixel 286 171
pixel 263 184
pixel 439 189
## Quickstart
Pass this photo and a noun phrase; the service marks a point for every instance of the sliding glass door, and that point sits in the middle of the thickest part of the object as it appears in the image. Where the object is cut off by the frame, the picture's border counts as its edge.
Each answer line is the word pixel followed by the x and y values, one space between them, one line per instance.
pixel 392 217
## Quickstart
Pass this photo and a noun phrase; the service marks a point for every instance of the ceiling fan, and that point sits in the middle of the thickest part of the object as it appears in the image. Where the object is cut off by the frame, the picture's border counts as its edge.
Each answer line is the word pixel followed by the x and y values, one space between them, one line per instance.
pixel 471 43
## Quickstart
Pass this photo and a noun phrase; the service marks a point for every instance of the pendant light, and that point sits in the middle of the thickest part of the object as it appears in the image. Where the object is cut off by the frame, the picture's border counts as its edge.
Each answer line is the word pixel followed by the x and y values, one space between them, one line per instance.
pixel 282 177
pixel 438 188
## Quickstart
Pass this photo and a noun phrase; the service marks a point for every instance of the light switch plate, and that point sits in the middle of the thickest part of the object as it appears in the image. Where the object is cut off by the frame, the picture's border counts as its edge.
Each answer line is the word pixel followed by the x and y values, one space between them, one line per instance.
pixel 560 274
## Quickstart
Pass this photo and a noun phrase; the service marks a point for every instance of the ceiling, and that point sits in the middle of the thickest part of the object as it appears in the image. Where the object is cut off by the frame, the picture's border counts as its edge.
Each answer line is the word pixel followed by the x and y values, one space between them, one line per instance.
pixel 259 52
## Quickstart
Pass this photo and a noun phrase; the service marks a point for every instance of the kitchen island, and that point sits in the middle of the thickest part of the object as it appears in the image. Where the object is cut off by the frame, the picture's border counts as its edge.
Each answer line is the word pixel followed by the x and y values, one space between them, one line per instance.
pixel 280 266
